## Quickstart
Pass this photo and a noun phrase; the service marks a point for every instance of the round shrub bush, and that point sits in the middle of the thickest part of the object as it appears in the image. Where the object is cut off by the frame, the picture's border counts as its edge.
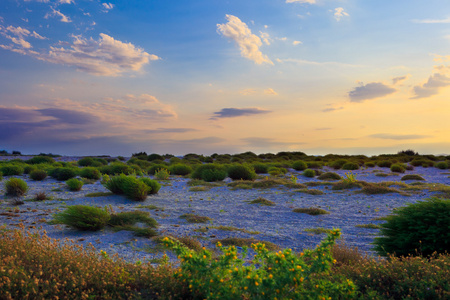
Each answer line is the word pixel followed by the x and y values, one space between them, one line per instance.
pixel 152 184
pixel 309 173
pixel 63 174
pixel 16 187
pixel 116 169
pixel 210 172
pixel 12 170
pixel 350 166
pixel 129 185
pixel 261 168
pixel 441 165
pixel 337 164
pixel 241 172
pixel 38 175
pixel 40 160
pixel 424 162
pixel 422 228
pixel 384 164
pixel 83 217
pixel 330 176
pixel 74 184
pixel 90 173
pixel 153 169
pixel 398 168
pixel 180 169
pixel 28 169
pixel 314 164
pixel 86 161
pixel 370 164
pixel 299 165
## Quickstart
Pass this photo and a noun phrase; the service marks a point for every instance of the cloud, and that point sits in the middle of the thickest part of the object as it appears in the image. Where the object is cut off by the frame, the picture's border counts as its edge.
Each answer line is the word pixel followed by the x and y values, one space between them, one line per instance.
pixel 270 91
pixel 329 109
pixel 238 112
pixel 324 128
pixel 400 79
pixel 17 35
pixel 66 1
pixel 388 136
pixel 248 43
pixel 434 83
pixel 247 92
pixel 433 21
pixel 339 13
pixel 104 57
pixel 57 13
pixel 107 7
pixel 265 37
pixel 171 130
pixel 301 1
pixel 315 63
pixel 370 91
pixel 295 43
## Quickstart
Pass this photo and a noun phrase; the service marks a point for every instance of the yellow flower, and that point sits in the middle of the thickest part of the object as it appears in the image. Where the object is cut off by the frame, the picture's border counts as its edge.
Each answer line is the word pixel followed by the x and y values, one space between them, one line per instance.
pixel 270 276
pixel 245 288
pixel 256 283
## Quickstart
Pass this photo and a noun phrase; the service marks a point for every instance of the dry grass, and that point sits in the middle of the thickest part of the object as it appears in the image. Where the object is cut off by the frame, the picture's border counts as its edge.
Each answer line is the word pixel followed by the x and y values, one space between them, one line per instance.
pixel 262 201
pixel 313 211
pixel 192 218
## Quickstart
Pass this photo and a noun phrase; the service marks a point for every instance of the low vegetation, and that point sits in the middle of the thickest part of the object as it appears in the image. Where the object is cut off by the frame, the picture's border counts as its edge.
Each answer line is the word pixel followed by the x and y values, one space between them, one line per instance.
pixel 313 211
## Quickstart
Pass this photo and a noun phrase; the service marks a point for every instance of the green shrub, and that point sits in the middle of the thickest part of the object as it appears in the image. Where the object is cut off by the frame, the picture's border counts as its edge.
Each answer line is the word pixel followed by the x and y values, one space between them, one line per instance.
pixel 38 175
pixel 350 166
pixel 132 187
pixel 12 170
pixel 441 165
pixel 132 217
pixel 384 164
pixel 398 168
pixel 1 176
pixel 192 218
pixel 152 184
pixel 63 174
pixel 241 172
pixel 420 228
pixel 29 168
pixel 412 177
pixel 180 169
pixel 154 168
pixel 162 174
pixel 314 165
pixel 309 173
pixel 424 162
pixel 299 165
pixel 330 176
pixel 86 162
pixel 337 164
pixel 313 211
pixel 209 173
pixel 83 217
pixel 74 184
pixel 90 173
pixel 16 187
pixel 116 169
pixel 370 164
pixel 40 160
pixel 261 168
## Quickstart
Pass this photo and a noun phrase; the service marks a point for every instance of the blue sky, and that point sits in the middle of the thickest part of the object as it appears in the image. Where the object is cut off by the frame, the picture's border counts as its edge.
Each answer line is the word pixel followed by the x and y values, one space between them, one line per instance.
pixel 83 77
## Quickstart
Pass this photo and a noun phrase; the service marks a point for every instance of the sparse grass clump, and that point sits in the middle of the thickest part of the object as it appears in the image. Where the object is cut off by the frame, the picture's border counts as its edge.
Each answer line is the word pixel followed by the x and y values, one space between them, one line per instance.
pixel 16 187
pixel 38 175
pixel 313 192
pixel 412 177
pixel 193 218
pixel 313 211
pixel 241 172
pixel 318 230
pixel 40 196
pixel 369 226
pixel 420 228
pixel 246 242
pixel 374 189
pixel 74 184
pixel 83 217
pixel 262 201
pixel 330 176
pixel 127 221
pixel 162 174
pixel 309 173
pixel 98 194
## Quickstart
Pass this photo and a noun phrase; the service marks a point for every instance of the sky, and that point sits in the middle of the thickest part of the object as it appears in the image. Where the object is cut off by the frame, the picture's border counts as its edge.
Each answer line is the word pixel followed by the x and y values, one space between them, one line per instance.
pixel 87 77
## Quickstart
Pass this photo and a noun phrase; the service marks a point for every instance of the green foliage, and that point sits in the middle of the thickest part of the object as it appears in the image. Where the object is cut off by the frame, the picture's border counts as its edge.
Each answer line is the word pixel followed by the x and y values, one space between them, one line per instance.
pixel 90 173
pixel 74 184
pixel 421 228
pixel 83 217
pixel 16 187
pixel 132 187
pixel 330 176
pixel 350 166
pixel 192 218
pixel 309 173
pixel 441 165
pixel 276 171
pixel 38 175
pixel 162 174
pixel 63 174
pixel 156 167
pixel 314 165
pixel 180 169
pixel 412 177
pixel 424 162
pixel 337 164
pixel 384 164
pixel 299 165
pixel 241 172
pixel 260 168
pixel 267 275
pixel 11 170
pixel 262 201
pixel 86 161
pixel 131 218
pixel 370 164
pixel 152 184
pixel 40 160
pixel 210 173
pixel 376 189
pixel 1 176
pixel 313 211
pixel 349 178
pixel 398 168
pixel 116 169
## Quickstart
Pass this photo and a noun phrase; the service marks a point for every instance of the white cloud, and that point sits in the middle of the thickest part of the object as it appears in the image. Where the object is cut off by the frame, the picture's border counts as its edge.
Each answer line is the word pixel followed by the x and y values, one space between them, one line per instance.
pixel 17 35
pixel 249 43
pixel 66 1
pixel 295 43
pixel 434 83
pixel 107 7
pixel 433 21
pixel 400 79
pixel 301 1
pixel 57 13
pixel 370 91
pixel 270 91
pixel 265 37
pixel 339 13
pixel 105 57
